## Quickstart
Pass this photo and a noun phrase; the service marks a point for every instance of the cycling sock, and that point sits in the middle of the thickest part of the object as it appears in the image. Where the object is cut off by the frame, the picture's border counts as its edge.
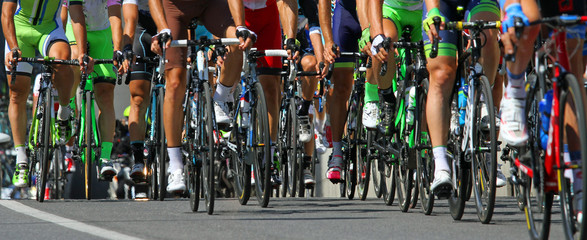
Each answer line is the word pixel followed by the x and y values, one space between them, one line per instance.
pixel 336 148
pixel 303 111
pixel 440 162
pixel 106 150
pixel 63 112
pixel 175 161
pixel 68 151
pixel 387 95
pixel 371 93
pixel 319 125
pixel 138 149
pixel 515 87
pixel 21 157
pixel 222 93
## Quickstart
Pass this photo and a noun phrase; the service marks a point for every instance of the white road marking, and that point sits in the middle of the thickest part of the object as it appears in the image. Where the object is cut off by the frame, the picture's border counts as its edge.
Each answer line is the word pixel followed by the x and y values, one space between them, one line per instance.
pixel 65 222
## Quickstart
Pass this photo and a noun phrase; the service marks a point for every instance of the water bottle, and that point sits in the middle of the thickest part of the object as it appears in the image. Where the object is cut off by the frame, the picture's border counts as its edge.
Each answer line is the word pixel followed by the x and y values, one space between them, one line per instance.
pixel 545 108
pixel 411 101
pixel 462 101
pixel 245 107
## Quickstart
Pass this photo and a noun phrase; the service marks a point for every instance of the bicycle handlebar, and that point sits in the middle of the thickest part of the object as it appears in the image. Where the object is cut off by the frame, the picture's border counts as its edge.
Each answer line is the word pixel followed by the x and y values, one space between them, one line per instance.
pixel 205 42
pixel 480 24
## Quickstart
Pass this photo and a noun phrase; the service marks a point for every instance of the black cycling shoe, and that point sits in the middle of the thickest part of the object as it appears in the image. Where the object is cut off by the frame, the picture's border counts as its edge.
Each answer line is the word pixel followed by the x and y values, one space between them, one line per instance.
pixel 137 173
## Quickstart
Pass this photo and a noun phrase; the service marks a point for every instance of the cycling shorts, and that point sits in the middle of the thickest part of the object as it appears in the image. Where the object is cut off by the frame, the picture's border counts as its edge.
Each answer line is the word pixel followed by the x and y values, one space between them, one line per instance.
pixel 32 38
pixel 402 18
pixel 448 9
pixel 179 14
pixel 99 47
pixel 265 23
pixel 346 32
pixel 146 28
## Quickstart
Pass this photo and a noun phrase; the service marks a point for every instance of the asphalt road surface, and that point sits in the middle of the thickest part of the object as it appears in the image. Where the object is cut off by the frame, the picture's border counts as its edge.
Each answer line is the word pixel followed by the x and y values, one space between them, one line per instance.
pixel 285 218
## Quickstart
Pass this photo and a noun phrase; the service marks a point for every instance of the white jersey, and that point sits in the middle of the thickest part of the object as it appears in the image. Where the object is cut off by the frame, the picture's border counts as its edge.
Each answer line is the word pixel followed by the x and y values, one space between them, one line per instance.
pixel 96 12
pixel 255 4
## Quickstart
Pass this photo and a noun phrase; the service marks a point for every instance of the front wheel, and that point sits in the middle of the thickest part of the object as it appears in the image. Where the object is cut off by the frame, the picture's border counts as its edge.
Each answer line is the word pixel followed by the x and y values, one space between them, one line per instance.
pixel 573 136
pixel 260 147
pixel 205 139
pixel 484 164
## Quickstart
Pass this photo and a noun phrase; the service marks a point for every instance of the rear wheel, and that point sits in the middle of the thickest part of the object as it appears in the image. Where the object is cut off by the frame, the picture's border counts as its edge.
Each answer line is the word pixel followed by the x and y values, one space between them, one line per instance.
pixel 572 111
pixel 424 157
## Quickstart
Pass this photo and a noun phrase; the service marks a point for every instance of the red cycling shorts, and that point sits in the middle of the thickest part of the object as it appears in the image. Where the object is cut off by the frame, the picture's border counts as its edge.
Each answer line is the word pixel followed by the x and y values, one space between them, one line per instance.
pixel 265 23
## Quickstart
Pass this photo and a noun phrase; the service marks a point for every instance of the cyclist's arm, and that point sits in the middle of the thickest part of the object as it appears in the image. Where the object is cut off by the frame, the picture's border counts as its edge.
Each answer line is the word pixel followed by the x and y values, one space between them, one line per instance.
pixel 158 15
pixel 288 15
pixel 237 11
pixel 115 25
pixel 325 18
pixel 8 10
pixel 78 22
pixel 64 14
pixel 131 16
pixel 363 13
pixel 376 17
pixel 430 5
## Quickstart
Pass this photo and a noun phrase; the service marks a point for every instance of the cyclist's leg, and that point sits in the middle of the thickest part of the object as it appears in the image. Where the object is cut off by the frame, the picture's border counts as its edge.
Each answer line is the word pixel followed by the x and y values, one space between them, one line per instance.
pixel 17 111
pixel 215 21
pixel 513 127
pixel 442 71
pixel 488 11
pixel 56 45
pixel 140 87
pixel 308 86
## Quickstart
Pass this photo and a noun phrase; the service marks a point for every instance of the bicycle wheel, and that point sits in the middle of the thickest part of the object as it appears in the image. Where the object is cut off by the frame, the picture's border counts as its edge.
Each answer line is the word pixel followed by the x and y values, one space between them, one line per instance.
pixel 376 175
pixel 292 148
pixel 350 138
pixel 206 142
pixel 425 168
pixel 484 161
pixel 362 156
pixel 404 176
pixel 89 156
pixel 260 146
pixel 282 146
pixel 537 204
pixel 385 165
pixel 43 149
pixel 58 176
pixel 459 166
pixel 161 151
pixel 572 110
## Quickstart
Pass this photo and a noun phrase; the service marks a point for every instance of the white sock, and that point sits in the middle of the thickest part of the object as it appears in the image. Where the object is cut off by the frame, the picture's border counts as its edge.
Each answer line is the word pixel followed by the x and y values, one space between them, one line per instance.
pixel 222 93
pixel 336 148
pixel 319 125
pixel 175 161
pixel 440 162
pixel 21 155
pixel 515 87
pixel 63 112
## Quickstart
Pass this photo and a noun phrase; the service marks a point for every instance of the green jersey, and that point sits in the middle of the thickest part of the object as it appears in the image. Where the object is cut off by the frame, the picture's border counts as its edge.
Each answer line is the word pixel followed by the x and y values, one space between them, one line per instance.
pixel 410 5
pixel 38 12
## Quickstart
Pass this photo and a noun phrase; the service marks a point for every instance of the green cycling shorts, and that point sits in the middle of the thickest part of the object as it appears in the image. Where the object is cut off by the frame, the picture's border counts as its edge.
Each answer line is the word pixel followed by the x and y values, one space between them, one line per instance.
pixel 100 47
pixel 402 18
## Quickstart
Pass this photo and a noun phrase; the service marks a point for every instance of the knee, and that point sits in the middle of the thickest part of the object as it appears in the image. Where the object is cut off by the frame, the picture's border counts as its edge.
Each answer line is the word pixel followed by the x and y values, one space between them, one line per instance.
pixel 309 63
pixel 138 101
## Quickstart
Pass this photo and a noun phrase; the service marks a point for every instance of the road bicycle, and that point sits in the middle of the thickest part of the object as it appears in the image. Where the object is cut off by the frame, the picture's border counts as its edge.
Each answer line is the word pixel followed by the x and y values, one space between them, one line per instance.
pixel 200 127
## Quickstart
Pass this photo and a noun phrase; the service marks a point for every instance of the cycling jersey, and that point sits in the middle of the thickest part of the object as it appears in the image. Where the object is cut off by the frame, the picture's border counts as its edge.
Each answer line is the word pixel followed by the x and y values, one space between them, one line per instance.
pixel 37 25
pixel 404 4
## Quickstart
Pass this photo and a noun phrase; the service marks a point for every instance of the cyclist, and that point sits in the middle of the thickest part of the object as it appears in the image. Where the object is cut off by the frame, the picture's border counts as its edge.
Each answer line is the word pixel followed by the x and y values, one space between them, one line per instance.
pixel 311 52
pixel 103 27
pixel 173 20
pixel 43 32
pixel 345 31
pixel 442 71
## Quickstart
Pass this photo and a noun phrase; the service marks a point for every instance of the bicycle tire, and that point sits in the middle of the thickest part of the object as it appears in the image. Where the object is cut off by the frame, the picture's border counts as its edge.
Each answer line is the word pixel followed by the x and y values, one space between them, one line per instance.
pixel 261 146
pixel 403 174
pixel 240 170
pixel 161 146
pixel 571 91
pixel 459 166
pixel 192 167
pixel 376 175
pixel 207 133
pixel 537 203
pixel 483 172
pixel 58 176
pixel 88 143
pixel 45 145
pixel 425 168
pixel 362 157
pixel 388 180
pixel 151 148
pixel 292 146
pixel 349 156
pixel 282 147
